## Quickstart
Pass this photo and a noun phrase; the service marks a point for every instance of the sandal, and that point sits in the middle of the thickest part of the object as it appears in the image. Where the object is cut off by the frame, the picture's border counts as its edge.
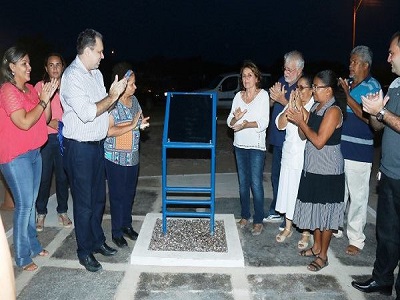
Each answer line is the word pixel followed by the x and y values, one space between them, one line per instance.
pixel 306 253
pixel 30 267
pixel 40 222
pixel 315 267
pixel 305 239
pixel 243 223
pixel 64 220
pixel 44 252
pixel 281 237
pixel 257 229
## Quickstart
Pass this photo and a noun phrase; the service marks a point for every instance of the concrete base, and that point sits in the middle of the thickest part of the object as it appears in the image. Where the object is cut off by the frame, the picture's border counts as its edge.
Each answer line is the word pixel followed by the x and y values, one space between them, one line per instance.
pixel 141 254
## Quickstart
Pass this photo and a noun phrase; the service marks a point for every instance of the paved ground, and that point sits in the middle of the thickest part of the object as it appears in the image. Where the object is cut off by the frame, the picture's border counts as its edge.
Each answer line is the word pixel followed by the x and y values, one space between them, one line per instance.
pixel 272 270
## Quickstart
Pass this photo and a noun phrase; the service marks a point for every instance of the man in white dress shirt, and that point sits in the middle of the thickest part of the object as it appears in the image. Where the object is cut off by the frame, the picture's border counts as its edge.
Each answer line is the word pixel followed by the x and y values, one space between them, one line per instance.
pixel 85 103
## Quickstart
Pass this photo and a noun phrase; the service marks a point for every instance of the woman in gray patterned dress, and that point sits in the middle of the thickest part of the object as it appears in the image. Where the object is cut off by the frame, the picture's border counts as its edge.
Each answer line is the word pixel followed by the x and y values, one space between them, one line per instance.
pixel 319 205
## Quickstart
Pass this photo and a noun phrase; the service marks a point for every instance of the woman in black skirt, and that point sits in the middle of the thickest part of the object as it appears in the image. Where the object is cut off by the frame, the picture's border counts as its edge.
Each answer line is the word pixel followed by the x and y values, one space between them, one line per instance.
pixel 320 205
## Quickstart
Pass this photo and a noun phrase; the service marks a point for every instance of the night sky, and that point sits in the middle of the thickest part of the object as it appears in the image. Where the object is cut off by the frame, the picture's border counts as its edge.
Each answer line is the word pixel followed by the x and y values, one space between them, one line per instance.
pixel 225 31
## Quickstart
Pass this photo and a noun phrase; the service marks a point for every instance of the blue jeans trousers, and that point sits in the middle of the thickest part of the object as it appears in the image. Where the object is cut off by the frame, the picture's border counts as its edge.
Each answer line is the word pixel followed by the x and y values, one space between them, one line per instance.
pixel 84 165
pixel 52 159
pixel 22 175
pixel 387 232
pixel 122 182
pixel 250 166
pixel 275 172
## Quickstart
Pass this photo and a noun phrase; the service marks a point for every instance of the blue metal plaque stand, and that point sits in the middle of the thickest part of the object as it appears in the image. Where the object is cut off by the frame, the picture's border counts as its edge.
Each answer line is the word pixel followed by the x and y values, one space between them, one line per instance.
pixel 190 123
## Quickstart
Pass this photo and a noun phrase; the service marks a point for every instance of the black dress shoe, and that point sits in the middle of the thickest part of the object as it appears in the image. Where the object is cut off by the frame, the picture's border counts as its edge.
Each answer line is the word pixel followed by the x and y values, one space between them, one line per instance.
pixel 130 233
pixel 106 250
pixel 90 263
pixel 120 241
pixel 371 286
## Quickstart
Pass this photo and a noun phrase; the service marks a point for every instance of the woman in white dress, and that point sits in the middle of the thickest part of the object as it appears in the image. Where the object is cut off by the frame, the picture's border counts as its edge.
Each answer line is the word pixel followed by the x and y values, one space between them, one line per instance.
pixel 292 160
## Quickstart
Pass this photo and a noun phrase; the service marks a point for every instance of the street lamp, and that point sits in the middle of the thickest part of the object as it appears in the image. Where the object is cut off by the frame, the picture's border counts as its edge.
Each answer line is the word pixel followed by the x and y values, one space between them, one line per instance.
pixel 356 6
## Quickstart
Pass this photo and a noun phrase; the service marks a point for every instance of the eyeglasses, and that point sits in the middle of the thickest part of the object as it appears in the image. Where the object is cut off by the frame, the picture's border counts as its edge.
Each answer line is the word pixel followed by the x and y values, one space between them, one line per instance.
pixel 317 87
pixel 301 88
pixel 285 69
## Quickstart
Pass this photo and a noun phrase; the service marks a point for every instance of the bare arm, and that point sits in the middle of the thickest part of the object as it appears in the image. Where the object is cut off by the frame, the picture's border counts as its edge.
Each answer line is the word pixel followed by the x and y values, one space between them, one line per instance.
pixel 114 130
pixel 355 107
pixel 25 120
pixel 330 122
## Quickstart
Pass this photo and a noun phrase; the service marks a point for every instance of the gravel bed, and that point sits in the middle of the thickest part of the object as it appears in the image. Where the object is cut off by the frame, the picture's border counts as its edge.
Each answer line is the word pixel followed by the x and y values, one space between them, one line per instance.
pixel 191 235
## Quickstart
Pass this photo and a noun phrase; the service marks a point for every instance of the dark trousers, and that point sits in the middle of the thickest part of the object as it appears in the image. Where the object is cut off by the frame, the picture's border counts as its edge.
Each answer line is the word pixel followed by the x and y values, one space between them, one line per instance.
pixel 52 159
pixel 122 183
pixel 84 164
pixel 387 232
pixel 275 172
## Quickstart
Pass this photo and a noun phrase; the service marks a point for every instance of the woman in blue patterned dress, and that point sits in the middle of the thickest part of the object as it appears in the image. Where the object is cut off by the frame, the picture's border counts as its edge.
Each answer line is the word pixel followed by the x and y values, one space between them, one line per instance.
pixel 319 205
pixel 121 151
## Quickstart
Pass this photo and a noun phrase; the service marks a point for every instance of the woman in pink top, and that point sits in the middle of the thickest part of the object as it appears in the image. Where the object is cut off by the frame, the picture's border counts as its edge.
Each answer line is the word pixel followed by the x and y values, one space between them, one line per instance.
pixel 51 156
pixel 23 117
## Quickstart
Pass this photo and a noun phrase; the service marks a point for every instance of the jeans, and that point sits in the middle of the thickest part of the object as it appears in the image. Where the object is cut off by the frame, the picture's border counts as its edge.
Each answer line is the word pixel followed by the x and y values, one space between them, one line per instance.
pixel 51 158
pixel 275 172
pixel 387 232
pixel 22 175
pixel 250 167
pixel 84 165
pixel 122 182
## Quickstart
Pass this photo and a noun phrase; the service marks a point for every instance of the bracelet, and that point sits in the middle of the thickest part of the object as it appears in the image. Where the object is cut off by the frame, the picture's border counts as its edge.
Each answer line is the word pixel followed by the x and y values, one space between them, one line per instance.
pixel 43 104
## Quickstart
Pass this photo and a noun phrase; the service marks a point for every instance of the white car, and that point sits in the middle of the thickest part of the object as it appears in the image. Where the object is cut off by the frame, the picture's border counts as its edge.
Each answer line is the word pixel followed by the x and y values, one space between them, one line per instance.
pixel 227 85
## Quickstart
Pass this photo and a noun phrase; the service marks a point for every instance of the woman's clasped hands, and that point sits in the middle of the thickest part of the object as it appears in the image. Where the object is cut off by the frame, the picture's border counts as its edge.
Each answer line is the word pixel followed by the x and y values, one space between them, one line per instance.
pixel 238 114
pixel 294 112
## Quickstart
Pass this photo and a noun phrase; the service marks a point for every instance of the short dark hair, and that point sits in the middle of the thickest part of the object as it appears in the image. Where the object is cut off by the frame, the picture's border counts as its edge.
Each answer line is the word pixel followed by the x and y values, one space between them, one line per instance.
pixel 87 38
pixel 12 55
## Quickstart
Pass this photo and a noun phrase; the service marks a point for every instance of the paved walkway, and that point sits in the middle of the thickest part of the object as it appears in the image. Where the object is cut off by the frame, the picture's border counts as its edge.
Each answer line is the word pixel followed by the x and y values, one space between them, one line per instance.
pixel 272 270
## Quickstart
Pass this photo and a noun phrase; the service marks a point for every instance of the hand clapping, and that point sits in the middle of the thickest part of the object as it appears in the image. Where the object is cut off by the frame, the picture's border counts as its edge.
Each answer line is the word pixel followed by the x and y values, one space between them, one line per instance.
pixel 294 115
pixel 277 92
pixel 238 114
pixel 49 89
pixel 117 88
pixel 373 103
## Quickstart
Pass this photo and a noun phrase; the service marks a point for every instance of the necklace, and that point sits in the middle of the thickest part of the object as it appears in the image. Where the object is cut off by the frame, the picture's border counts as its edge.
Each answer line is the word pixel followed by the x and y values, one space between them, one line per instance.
pixel 23 90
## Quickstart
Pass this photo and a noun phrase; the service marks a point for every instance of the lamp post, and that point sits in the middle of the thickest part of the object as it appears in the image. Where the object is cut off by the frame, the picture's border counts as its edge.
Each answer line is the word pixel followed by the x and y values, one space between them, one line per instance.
pixel 356 6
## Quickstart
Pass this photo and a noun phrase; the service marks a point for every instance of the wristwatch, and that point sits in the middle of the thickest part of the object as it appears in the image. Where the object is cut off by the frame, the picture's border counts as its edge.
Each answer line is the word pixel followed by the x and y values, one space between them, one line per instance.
pixel 379 115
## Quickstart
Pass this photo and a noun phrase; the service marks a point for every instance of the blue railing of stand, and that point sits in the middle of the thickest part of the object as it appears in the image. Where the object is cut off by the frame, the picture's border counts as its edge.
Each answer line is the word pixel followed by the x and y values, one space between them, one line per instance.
pixel 167 199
